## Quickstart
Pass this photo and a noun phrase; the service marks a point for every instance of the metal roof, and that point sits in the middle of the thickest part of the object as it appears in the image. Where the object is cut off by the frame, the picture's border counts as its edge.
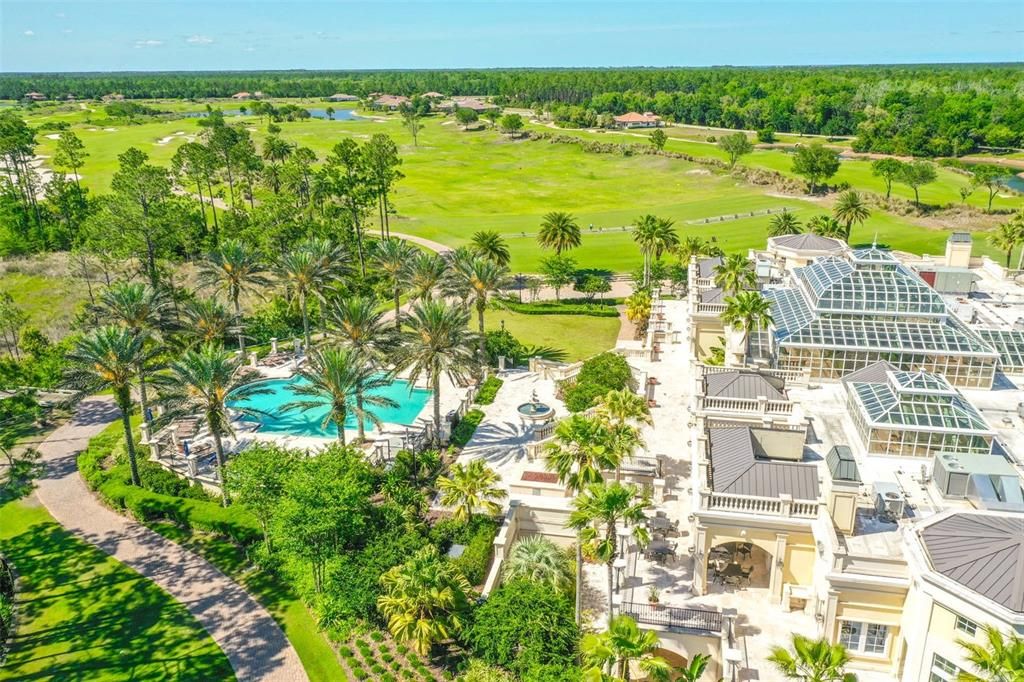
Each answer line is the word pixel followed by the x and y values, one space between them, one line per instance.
pixel 737 469
pixel 706 266
pixel 982 552
pixel 808 241
pixel 745 385
pixel 960 237
pixel 875 373
pixel 715 295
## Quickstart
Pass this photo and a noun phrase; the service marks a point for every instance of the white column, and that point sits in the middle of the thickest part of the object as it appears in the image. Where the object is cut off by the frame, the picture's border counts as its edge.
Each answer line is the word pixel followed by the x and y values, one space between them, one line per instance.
pixel 775 586
pixel 700 561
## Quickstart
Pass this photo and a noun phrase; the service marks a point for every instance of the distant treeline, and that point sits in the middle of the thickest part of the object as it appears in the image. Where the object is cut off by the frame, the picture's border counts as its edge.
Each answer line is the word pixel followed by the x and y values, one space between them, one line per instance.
pixel 930 110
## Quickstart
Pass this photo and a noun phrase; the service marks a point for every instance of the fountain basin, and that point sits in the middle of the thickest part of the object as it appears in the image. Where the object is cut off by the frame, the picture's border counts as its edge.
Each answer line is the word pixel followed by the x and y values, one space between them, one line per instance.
pixel 536 412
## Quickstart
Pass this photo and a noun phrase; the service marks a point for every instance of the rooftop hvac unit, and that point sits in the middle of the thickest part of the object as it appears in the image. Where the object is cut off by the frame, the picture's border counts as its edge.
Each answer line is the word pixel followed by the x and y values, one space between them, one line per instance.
pixel 889 501
pixel 950 475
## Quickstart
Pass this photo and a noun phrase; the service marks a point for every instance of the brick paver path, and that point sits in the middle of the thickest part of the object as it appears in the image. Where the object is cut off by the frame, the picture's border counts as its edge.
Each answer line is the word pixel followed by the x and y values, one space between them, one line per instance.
pixel 245 631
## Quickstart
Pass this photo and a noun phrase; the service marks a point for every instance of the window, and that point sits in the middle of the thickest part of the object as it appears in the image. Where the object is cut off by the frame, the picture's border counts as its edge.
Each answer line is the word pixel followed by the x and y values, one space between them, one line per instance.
pixel 867 638
pixel 943 670
pixel 966 626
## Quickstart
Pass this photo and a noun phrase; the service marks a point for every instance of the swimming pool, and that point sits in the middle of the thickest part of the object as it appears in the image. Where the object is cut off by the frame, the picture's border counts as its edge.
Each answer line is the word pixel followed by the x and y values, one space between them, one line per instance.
pixel 307 422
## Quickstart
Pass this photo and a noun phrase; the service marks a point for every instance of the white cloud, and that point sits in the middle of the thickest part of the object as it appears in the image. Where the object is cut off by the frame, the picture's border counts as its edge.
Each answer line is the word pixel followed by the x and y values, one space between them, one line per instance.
pixel 67 30
pixel 199 40
pixel 30 33
pixel 148 43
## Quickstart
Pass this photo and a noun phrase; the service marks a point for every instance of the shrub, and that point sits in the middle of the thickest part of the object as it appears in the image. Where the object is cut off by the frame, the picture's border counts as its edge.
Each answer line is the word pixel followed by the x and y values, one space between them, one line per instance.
pixel 501 342
pixel 346 652
pixel 489 390
pixel 377 668
pixel 362 644
pixel 376 636
pixel 524 622
pixel 594 309
pixel 598 375
pixel 766 135
pixel 360 674
pixel 477 535
pixel 388 677
pixel 386 656
pixel 466 427
pixel 408 674
pixel 402 649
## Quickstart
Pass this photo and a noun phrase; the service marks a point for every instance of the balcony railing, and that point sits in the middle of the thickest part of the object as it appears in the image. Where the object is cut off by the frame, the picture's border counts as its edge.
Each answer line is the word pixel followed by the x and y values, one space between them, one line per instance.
pixel 752 504
pixel 780 408
pixel 709 308
pixel 675 618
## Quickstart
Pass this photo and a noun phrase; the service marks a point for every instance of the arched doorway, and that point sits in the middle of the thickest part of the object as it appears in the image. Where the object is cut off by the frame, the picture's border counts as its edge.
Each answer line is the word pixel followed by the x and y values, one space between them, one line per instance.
pixel 739 565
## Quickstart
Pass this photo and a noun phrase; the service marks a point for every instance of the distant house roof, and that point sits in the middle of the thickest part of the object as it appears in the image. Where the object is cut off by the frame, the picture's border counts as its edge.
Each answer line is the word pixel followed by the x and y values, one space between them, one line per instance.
pixel 982 552
pixel 432 94
pixel 706 266
pixel 390 100
pixel 241 95
pixel 477 105
pixel 342 97
pixel 634 117
pixel 540 477
pixel 808 241
pixel 744 385
pixel 35 95
pixel 738 467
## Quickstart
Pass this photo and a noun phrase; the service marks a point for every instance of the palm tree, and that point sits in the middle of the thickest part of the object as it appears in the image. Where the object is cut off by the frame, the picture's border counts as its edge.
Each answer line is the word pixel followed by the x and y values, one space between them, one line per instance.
pixel 784 223
pixel 470 487
pixel 143 310
pixel 478 279
pixel 559 231
pixel 537 558
pixel 638 310
pixel 392 257
pixel 436 342
pixel 492 246
pixel 307 271
pixel 1000 659
pixel 599 511
pixel 581 450
pixel 1007 237
pixel 235 269
pixel 108 359
pixel 812 661
pixel 735 273
pixel 850 209
pixel 655 236
pixel 621 644
pixel 425 600
pixel 826 226
pixel 341 379
pixel 694 670
pixel 357 322
pixel 206 321
pixel 690 247
pixel 424 273
pixel 624 411
pixel 201 381
pixel 747 311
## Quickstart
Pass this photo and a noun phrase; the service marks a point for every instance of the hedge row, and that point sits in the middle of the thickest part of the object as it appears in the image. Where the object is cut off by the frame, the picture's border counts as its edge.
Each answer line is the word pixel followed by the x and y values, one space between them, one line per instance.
pixel 466 427
pixel 113 486
pixel 555 308
pixel 489 390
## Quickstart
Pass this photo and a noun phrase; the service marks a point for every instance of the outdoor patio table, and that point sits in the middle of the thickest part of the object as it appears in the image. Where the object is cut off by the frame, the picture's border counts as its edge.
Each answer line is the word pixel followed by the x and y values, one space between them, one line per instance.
pixel 732 571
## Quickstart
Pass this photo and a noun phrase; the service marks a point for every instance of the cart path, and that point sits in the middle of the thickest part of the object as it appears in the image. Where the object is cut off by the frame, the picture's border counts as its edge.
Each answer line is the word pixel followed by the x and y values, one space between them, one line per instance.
pixel 436 247
pixel 245 631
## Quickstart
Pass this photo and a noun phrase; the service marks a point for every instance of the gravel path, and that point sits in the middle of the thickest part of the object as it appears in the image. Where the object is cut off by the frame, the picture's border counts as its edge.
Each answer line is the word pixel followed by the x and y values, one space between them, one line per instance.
pixel 245 631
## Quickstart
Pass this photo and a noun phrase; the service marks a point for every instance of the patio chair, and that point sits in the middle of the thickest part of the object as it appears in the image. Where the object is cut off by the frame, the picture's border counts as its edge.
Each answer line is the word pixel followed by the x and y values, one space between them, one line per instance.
pixel 746 575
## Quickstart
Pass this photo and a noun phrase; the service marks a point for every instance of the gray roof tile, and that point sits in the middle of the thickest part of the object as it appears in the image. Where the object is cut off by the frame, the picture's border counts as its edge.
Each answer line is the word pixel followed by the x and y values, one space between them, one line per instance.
pixel 744 385
pixel 736 468
pixel 984 553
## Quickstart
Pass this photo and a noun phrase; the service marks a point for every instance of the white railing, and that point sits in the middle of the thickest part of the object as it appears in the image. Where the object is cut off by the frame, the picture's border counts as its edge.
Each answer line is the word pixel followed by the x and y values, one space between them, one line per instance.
pixel 752 504
pixel 709 308
pixel 642 353
pixel 755 406
pixel 798 377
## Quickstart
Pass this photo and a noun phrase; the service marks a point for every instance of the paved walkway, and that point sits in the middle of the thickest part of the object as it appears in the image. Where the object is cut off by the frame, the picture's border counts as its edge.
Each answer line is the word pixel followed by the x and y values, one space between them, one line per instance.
pixel 436 247
pixel 245 631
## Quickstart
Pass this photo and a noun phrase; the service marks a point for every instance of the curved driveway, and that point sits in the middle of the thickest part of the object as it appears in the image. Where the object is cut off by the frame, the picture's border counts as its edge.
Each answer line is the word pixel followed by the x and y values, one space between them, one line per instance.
pixel 245 631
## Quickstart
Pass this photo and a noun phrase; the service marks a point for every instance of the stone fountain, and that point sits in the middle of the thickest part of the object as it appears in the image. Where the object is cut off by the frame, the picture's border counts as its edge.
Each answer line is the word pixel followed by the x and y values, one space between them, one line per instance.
pixel 535 411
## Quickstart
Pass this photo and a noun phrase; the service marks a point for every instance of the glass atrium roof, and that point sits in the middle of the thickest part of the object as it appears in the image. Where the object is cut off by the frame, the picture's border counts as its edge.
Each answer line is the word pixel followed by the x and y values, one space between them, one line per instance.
pixel 873 255
pixel 948 411
pixel 856 333
pixel 836 286
pixel 1009 343
pixel 920 382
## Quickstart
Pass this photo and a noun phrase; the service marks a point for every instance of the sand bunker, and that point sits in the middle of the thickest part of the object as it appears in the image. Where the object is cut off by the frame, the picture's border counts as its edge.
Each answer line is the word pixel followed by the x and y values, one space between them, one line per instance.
pixel 165 140
pixel 53 136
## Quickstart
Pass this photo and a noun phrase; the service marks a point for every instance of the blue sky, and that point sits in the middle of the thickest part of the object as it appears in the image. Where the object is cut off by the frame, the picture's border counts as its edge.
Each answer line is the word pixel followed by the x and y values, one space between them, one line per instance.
pixel 90 35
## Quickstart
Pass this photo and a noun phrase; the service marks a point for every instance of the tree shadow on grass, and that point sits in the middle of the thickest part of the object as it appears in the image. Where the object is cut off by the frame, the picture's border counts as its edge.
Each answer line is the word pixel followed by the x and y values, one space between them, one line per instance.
pixel 545 352
pixel 84 616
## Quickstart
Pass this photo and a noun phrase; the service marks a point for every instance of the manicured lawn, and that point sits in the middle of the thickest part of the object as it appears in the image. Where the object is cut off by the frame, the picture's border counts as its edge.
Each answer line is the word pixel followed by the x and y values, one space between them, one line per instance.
pixel 84 615
pixel 459 182
pixel 577 336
